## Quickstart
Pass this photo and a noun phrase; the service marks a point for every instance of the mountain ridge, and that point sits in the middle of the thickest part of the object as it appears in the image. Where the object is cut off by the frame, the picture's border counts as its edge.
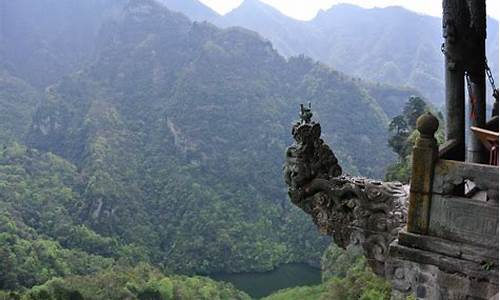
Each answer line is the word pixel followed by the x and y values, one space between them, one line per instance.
pixel 391 45
pixel 199 11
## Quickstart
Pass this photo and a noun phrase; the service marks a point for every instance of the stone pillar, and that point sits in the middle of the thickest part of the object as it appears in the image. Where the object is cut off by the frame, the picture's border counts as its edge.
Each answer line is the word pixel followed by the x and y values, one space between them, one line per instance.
pixel 476 55
pixel 425 154
pixel 455 108
pixel 454 29
pixel 476 151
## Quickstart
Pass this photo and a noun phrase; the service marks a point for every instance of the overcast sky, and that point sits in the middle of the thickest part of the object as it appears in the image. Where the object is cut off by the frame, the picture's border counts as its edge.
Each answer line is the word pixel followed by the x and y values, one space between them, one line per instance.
pixel 307 9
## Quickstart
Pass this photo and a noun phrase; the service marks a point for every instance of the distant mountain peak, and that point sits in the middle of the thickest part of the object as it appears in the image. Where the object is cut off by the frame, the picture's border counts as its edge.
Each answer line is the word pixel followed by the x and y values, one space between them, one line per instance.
pixel 252 2
pixel 255 5
pixel 149 10
pixel 344 6
pixel 341 6
pixel 352 8
pixel 141 6
pixel 194 9
pixel 141 3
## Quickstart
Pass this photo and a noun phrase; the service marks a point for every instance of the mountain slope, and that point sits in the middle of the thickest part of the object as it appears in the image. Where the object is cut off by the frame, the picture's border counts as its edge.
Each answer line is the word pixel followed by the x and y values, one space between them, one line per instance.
pixel 41 41
pixel 196 10
pixel 41 241
pixel 17 104
pixel 39 238
pixel 390 45
pixel 181 153
pixel 286 34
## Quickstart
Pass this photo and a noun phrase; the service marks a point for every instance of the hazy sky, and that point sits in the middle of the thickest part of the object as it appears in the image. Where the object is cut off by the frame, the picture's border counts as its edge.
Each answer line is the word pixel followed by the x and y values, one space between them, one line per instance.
pixel 307 9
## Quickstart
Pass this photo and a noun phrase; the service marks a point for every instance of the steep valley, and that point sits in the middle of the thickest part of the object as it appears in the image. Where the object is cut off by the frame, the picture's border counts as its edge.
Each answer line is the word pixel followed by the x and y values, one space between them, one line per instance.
pixel 161 150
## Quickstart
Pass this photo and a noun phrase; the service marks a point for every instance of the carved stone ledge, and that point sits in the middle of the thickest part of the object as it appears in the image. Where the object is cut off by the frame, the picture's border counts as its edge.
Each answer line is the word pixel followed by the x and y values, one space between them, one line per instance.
pixel 431 275
pixel 353 210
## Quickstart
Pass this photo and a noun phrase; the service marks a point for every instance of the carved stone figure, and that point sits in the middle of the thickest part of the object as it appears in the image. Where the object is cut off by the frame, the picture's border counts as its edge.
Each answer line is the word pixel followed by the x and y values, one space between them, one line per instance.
pixel 353 210
pixel 306 113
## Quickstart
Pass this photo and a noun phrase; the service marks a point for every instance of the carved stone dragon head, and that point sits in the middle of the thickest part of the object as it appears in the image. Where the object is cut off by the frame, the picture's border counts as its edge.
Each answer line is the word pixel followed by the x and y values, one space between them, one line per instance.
pixel 353 210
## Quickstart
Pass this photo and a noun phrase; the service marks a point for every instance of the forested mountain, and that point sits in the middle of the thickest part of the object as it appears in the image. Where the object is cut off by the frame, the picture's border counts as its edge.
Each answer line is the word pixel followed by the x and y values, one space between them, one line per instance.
pixel 17 104
pixel 287 35
pixel 163 145
pixel 388 45
pixel 41 41
pixel 189 141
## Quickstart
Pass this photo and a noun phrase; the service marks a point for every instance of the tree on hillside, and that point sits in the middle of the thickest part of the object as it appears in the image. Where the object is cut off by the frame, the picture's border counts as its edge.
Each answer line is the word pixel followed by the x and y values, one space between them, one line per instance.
pixel 402 129
pixel 413 109
pixel 397 142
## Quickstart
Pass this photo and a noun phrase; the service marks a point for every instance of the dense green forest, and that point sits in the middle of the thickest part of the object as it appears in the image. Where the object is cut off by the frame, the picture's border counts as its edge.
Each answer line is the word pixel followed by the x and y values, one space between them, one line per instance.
pixel 154 152
pixel 141 282
pixel 17 103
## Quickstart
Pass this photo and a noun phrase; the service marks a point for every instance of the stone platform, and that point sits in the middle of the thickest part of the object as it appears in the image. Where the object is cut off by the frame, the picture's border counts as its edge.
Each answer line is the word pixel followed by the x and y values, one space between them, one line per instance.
pixel 433 268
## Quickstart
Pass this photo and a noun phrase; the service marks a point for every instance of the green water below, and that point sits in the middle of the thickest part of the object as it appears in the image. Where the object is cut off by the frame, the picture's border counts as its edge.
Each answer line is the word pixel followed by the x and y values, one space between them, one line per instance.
pixel 259 285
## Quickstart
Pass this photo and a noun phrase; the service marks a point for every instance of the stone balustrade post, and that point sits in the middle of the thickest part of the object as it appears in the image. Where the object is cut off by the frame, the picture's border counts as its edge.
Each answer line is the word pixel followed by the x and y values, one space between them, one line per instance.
pixel 425 154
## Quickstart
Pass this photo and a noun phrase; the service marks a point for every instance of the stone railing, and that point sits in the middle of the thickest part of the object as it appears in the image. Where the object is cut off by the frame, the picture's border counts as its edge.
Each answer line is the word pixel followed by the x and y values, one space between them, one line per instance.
pixel 451 199
pixel 449 249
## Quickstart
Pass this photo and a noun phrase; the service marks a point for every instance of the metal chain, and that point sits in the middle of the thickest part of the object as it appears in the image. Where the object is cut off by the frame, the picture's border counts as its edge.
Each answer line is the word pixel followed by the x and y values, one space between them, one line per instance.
pixel 490 75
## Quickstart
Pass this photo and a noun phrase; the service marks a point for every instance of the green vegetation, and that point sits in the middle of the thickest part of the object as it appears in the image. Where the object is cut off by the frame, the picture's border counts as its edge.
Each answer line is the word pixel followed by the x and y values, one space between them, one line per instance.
pixel 141 283
pixel 299 293
pixel 38 238
pixel 336 262
pixel 179 157
pixel 403 135
pixel 487 265
pixel 17 103
pixel 163 152
pixel 346 276
pixel 360 283
pixel 41 246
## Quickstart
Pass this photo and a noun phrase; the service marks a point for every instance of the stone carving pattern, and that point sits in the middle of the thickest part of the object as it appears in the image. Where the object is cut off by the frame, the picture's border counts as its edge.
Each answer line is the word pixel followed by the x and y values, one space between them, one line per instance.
pixel 353 210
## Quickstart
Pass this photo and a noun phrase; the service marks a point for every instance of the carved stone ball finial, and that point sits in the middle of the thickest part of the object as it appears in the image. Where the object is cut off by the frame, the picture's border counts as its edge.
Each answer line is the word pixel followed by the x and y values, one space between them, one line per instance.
pixel 427 125
pixel 425 153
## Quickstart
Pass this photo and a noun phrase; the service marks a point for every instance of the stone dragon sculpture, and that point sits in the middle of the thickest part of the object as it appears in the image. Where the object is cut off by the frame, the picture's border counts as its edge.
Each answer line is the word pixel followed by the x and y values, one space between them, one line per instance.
pixel 353 210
